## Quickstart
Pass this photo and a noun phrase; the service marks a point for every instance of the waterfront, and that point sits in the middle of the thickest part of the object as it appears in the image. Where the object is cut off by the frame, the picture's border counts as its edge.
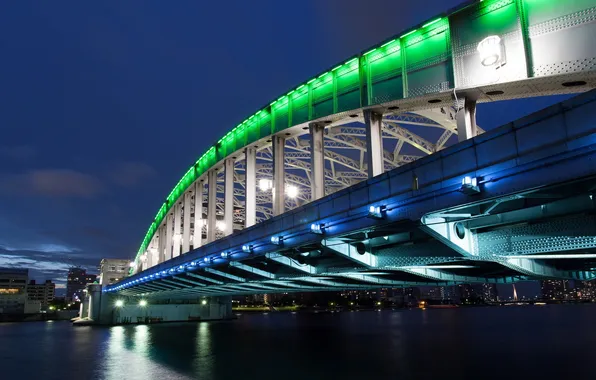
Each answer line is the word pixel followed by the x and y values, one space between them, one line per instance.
pixel 466 343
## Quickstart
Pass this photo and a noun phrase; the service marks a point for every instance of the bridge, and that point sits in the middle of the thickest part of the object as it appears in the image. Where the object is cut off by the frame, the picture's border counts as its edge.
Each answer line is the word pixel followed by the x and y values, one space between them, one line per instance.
pixel 375 174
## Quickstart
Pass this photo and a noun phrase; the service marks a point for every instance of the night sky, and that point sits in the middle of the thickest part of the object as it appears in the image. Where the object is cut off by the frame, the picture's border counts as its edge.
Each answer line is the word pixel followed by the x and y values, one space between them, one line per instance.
pixel 104 105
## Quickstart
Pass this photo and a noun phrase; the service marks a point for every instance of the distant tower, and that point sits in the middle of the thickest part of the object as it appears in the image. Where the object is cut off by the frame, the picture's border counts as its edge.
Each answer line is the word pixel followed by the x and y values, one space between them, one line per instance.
pixel 514 293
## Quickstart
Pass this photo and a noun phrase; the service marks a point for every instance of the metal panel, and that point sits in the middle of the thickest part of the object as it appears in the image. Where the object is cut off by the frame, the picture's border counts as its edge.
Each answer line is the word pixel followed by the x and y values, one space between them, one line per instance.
pixel 471 26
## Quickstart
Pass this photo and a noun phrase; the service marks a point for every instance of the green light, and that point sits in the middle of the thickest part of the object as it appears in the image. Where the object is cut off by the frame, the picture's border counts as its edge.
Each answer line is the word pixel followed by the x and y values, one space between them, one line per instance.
pixel 407 34
pixel 369 52
pixel 300 87
pixel 387 43
pixel 310 81
pixel 352 61
pixel 336 68
pixel 432 22
pixel 291 92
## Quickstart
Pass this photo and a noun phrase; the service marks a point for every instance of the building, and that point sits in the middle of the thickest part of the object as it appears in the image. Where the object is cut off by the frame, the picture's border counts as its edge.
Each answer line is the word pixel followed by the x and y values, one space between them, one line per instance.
pixel 44 293
pixel 76 282
pixel 555 289
pixel 113 270
pixel 13 292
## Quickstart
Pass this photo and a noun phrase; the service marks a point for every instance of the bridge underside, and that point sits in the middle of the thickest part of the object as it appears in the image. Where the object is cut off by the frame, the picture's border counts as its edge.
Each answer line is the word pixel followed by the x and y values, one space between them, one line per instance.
pixel 542 233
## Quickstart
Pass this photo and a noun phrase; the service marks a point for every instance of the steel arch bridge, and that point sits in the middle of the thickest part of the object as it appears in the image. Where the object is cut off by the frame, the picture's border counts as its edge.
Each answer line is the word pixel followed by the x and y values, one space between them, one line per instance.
pixel 408 97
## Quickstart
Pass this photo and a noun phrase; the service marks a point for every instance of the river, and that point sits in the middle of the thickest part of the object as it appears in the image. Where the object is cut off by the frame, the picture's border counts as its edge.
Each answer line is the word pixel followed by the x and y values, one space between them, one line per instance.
pixel 507 342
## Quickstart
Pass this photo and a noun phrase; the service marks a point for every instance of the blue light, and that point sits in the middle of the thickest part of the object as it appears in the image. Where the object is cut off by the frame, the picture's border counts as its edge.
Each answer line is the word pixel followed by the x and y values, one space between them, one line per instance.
pixel 469 181
pixel 206 259
pixel 317 228
pixel 164 272
pixel 224 255
pixel 377 211
pixel 469 185
pixel 192 263
pixel 277 240
pixel 247 248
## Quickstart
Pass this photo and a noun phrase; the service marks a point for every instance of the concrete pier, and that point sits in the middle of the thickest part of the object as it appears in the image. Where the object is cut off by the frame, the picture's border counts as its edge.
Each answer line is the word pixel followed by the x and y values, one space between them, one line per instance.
pixel 101 308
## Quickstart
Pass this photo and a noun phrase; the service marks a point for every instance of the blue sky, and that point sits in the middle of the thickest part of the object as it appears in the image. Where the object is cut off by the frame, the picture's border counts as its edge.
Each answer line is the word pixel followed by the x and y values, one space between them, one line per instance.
pixel 106 104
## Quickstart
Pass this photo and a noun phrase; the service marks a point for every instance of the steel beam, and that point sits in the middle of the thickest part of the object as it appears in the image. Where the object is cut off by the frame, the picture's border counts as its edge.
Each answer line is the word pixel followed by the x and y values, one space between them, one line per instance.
pixel 374 142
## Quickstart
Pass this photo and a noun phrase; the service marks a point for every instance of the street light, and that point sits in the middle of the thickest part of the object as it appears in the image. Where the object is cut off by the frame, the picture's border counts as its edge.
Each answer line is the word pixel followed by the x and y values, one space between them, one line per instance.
pixel 142 303
pixel 204 302
pixel 119 303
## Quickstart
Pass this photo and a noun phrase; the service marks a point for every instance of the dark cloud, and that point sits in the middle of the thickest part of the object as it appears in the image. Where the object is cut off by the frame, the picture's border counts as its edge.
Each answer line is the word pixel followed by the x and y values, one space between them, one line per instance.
pixel 130 174
pixel 19 152
pixel 54 183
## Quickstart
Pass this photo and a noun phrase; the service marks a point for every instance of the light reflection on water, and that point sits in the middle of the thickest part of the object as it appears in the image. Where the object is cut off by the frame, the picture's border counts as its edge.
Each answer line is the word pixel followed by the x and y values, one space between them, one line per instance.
pixel 410 344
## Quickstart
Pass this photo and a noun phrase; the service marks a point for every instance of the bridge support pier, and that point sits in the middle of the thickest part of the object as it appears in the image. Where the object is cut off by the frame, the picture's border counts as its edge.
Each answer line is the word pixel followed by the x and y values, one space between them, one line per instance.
pixel 111 309
pixel 317 161
pixel 374 142
pixel 279 173
pixel 466 119
pixel 250 177
pixel 211 204
pixel 228 196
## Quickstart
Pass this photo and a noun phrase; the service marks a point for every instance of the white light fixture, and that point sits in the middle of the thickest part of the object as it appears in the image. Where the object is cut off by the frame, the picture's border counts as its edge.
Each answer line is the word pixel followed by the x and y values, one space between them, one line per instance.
pixel 277 240
pixel 292 191
pixel 377 211
pixel 265 184
pixel 119 303
pixel 204 302
pixel 131 264
pixel 469 185
pixel 317 228
pixel 220 225
pixel 142 303
pixel 491 51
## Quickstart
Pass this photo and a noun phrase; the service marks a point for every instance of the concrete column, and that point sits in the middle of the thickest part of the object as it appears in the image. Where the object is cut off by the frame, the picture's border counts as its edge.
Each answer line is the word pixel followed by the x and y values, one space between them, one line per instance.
pixel 374 142
pixel 229 196
pixel 250 196
pixel 161 243
pixel 211 204
pixel 317 161
pixel 198 231
pixel 169 236
pixel 466 120
pixel 177 236
pixel 279 173
pixel 186 224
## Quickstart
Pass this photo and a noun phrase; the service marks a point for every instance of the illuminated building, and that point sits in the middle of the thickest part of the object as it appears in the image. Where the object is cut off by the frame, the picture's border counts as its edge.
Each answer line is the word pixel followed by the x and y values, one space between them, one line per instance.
pixel 555 289
pixel 77 281
pixel 44 293
pixel 113 270
pixel 13 292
